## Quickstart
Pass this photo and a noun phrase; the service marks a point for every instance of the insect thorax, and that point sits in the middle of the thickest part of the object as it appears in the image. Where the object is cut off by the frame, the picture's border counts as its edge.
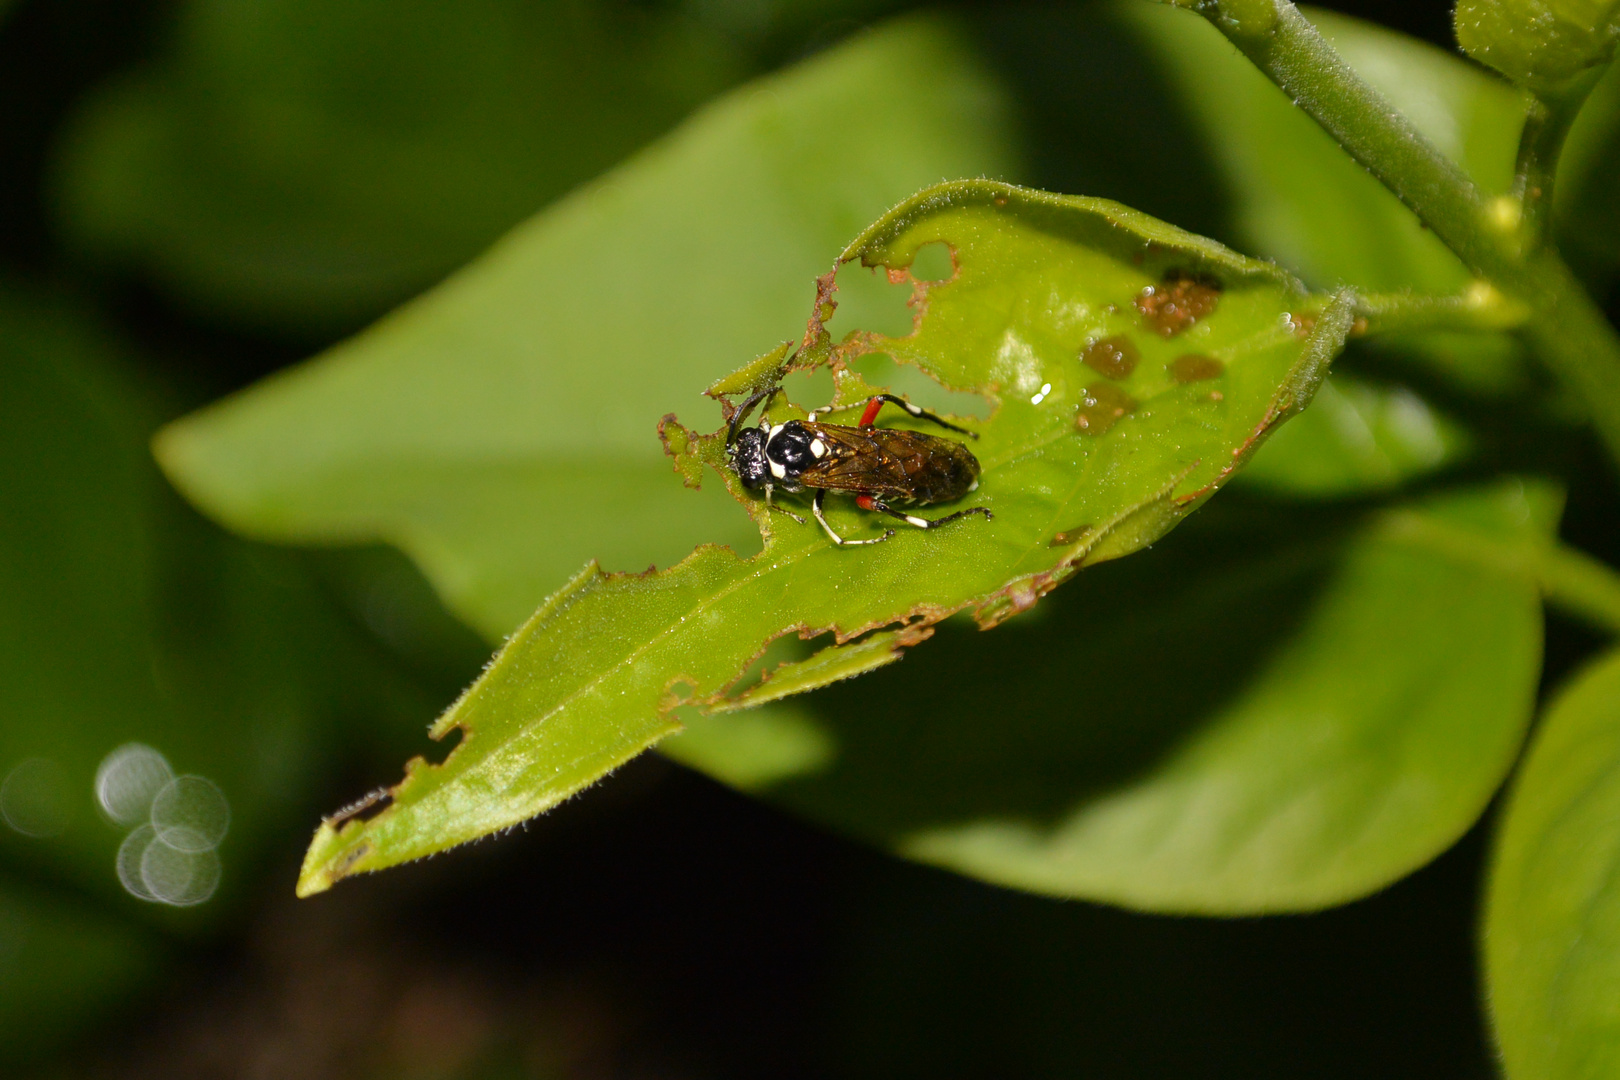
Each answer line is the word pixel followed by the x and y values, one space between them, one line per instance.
pixel 787 451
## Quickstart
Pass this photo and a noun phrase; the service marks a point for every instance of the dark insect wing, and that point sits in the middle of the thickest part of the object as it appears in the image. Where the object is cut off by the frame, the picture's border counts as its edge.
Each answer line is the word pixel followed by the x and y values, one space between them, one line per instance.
pixel 894 462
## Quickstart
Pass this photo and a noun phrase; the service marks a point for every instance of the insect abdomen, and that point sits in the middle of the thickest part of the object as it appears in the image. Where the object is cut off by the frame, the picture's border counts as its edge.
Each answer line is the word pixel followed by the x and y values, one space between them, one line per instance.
pixel 947 471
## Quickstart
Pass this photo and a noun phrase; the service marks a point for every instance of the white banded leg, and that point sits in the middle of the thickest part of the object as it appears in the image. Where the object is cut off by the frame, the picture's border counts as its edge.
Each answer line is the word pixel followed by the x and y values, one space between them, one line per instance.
pixel 867 502
pixel 815 506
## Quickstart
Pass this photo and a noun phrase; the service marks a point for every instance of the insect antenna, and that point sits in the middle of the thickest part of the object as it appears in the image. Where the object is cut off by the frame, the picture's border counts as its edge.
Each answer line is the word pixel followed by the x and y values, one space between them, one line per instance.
pixel 741 414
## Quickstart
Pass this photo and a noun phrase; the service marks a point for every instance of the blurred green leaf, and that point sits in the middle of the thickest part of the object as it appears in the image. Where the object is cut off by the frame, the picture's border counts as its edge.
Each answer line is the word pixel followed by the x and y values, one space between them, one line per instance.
pixel 309 163
pixel 1588 199
pixel 1270 711
pixel 1356 437
pixel 1552 917
pixel 62 965
pixel 1132 369
pixel 1541 44
pixel 500 430
pixel 124 618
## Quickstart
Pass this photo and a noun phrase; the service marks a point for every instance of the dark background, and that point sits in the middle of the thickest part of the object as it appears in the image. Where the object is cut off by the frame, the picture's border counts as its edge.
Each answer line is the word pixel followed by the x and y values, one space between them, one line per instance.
pixel 663 926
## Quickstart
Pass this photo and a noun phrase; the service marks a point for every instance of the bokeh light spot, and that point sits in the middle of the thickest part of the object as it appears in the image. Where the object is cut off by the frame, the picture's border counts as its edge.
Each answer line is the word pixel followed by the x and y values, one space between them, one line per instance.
pixel 129 779
pixel 191 814
pixel 35 798
pixel 130 854
pixel 160 873
pixel 177 877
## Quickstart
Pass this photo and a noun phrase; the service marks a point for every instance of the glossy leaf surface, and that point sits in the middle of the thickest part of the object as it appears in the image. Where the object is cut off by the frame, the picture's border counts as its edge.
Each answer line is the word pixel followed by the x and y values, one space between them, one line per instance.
pixel 1552 920
pixel 1290 193
pixel 1084 457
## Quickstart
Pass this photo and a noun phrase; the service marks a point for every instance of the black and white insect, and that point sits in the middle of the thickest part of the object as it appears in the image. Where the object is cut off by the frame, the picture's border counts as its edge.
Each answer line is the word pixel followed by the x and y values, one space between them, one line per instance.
pixel 879 466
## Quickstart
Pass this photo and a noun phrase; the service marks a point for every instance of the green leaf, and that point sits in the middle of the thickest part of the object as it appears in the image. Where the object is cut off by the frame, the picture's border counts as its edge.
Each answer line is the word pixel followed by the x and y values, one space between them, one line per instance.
pixel 1131 368
pixel 1588 199
pixel 1270 711
pixel 1552 915
pixel 1195 135
pixel 1356 437
pixel 500 429
pixel 1541 44
pixel 309 163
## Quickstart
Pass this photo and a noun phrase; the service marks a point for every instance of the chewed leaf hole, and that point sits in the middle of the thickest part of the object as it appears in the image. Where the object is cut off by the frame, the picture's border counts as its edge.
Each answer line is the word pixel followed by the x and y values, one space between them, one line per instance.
pixel 446 745
pixel 1083 459
pixel 933 263
pixel 868 300
pixel 787 649
pixel 809 389
pixel 912 384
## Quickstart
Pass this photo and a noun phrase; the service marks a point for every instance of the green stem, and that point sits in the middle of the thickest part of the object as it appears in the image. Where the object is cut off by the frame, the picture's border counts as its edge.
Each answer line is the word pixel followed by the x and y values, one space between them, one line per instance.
pixel 1482 307
pixel 1569 579
pixel 1546 126
pixel 1566 329
pixel 1539 144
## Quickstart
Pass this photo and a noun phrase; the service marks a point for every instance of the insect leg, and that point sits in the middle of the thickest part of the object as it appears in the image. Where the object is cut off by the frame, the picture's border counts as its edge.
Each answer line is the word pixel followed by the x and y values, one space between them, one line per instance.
pixel 873 404
pixel 815 505
pixel 769 505
pixel 867 502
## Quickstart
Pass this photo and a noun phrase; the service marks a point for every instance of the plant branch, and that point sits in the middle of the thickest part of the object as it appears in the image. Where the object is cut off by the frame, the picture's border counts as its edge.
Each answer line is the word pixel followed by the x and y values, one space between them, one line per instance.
pixel 1568 578
pixel 1287 48
pixel 1546 126
pixel 1539 143
pixel 1565 328
pixel 1482 307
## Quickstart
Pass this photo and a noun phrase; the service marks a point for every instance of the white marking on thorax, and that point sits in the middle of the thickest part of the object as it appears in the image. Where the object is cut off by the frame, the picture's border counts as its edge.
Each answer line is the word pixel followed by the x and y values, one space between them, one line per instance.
pixel 778 471
pixel 818 448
